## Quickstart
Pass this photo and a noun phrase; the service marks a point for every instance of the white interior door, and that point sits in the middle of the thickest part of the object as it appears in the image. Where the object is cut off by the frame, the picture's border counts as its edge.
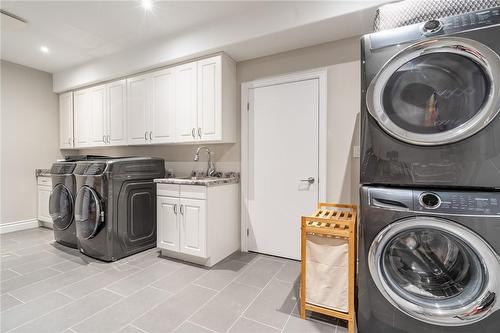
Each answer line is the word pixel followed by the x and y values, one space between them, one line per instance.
pixel 283 152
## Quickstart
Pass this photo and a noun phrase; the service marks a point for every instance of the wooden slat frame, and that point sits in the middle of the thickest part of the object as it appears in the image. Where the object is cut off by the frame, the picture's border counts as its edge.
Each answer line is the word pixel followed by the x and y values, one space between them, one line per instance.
pixel 337 220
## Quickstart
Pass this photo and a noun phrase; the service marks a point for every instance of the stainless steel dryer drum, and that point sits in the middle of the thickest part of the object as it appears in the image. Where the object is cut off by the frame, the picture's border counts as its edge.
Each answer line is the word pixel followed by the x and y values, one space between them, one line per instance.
pixel 431 103
pixel 428 261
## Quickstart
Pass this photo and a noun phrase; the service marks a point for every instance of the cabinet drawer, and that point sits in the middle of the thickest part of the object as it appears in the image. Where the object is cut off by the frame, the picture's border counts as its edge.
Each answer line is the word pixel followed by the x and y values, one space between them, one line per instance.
pixel 168 190
pixel 193 191
pixel 46 181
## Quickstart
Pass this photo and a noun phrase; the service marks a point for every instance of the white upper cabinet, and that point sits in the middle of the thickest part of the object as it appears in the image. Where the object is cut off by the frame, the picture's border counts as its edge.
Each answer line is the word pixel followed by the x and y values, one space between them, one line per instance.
pixel 66 120
pixel 185 102
pixel 97 114
pixel 162 127
pixel 82 102
pixel 138 109
pixel 190 103
pixel 210 99
pixel 116 119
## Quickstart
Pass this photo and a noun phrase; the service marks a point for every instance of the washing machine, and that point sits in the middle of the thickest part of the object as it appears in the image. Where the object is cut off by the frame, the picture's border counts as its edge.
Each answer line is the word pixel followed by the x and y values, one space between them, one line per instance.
pixel 62 202
pixel 115 208
pixel 430 103
pixel 428 261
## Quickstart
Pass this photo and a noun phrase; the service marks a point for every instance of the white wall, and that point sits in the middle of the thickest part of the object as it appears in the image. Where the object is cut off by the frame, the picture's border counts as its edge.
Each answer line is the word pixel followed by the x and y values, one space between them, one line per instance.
pixel 29 137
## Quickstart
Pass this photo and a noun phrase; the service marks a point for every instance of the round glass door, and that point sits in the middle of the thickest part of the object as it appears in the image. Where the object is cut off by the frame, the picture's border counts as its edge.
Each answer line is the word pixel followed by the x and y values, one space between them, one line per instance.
pixel 61 207
pixel 435 270
pixel 88 213
pixel 437 92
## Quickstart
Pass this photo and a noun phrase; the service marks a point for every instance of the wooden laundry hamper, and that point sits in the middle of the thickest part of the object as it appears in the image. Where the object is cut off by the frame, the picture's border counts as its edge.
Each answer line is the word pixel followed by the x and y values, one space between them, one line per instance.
pixel 330 235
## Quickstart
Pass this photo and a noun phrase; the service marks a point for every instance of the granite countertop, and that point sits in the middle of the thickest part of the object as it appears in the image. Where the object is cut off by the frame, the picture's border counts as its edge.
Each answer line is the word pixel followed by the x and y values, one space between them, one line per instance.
pixel 42 173
pixel 202 181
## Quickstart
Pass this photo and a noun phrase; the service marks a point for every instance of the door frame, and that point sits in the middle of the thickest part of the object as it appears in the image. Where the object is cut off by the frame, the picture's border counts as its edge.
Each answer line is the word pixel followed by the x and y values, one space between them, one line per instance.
pixel 321 75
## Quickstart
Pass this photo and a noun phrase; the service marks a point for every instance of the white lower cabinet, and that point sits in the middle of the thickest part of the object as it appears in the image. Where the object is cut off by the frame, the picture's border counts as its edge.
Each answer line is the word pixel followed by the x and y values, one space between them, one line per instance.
pixel 197 223
pixel 44 190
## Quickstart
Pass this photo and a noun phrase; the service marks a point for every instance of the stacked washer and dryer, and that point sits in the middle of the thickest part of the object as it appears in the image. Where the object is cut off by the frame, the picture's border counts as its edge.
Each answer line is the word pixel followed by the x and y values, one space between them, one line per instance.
pixel 429 238
pixel 105 206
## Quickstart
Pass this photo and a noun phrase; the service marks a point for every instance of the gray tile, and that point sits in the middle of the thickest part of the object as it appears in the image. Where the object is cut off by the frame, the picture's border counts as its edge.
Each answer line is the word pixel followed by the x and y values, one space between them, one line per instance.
pixel 274 305
pixel 260 272
pixel 188 327
pixel 174 311
pixel 63 279
pixel 244 325
pixel 50 260
pixel 245 257
pixel 73 313
pixel 14 261
pixel 122 313
pixel 225 308
pixel 181 278
pixel 149 258
pixel 221 274
pixel 31 310
pixel 298 325
pixel 67 265
pixel 130 329
pixel 134 282
pixel 101 280
pixel 26 280
pixel 6 274
pixel 7 302
pixel 290 272
pixel 44 247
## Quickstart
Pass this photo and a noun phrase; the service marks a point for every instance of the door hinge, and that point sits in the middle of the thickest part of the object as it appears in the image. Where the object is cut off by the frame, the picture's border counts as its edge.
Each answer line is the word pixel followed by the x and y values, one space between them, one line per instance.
pixel 248 232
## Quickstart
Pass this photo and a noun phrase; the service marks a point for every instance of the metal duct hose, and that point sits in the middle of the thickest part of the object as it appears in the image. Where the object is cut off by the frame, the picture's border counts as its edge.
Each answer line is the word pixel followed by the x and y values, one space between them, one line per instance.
pixel 414 11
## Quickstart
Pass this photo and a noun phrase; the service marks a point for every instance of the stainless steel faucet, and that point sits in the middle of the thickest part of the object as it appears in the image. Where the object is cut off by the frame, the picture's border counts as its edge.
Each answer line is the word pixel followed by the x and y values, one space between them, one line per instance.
pixel 211 165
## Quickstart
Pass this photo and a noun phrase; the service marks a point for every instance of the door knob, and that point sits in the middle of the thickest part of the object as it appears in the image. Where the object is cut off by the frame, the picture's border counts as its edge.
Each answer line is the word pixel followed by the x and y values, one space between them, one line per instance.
pixel 310 180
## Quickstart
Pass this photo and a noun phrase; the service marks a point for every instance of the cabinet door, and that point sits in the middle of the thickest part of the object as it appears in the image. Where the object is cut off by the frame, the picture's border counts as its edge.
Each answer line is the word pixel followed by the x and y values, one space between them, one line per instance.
pixel 163 108
pixel 97 115
pixel 209 99
pixel 168 223
pixel 137 109
pixel 43 203
pixel 82 105
pixel 185 102
pixel 193 227
pixel 116 124
pixel 66 120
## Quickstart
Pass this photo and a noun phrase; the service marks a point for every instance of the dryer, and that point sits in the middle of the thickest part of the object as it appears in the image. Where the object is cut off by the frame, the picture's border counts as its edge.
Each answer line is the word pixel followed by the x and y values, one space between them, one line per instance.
pixel 115 208
pixel 428 261
pixel 430 103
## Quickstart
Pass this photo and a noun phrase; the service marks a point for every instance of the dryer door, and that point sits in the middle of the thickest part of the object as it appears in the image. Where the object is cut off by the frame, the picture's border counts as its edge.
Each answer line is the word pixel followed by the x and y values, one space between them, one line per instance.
pixel 435 270
pixel 89 213
pixel 61 207
pixel 437 91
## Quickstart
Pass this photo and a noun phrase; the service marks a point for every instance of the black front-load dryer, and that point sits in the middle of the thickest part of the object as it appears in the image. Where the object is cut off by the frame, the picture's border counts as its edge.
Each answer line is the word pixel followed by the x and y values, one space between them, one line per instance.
pixel 115 210
pixel 61 203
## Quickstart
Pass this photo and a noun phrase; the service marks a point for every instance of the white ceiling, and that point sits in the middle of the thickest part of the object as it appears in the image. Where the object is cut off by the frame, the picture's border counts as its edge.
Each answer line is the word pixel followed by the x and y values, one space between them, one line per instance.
pixel 92 41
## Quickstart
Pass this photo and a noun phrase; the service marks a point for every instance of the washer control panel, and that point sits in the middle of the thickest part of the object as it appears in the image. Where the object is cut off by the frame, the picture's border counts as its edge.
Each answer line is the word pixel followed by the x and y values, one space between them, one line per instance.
pixel 457 202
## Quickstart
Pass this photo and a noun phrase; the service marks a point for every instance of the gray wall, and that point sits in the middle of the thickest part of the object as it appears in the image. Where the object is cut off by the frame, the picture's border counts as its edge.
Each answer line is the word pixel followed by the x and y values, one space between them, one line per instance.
pixel 29 137
pixel 341 58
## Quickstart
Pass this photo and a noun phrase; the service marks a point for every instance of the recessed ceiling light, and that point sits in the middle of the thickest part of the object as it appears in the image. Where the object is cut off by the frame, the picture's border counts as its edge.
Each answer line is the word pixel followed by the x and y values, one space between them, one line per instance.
pixel 44 49
pixel 147 4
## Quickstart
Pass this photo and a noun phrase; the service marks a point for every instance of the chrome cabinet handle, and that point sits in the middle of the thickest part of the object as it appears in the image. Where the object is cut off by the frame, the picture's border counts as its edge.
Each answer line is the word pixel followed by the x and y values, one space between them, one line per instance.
pixel 109 138
pixel 104 138
pixel 146 135
pixel 151 135
pixel 192 133
pixel 199 132
pixel 69 141
pixel 175 209
pixel 310 180
pixel 182 209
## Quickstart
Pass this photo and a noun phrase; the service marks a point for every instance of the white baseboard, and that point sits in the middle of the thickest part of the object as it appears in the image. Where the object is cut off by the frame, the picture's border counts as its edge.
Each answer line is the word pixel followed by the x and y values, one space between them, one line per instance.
pixel 18 225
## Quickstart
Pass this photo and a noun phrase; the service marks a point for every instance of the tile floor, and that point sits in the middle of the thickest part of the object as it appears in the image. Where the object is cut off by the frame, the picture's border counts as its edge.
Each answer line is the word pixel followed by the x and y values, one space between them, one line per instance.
pixel 49 288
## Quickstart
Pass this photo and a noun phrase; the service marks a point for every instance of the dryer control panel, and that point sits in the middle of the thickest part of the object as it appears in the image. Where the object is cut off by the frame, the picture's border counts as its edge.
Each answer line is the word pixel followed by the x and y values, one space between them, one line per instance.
pixel 457 202
pixel 437 27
